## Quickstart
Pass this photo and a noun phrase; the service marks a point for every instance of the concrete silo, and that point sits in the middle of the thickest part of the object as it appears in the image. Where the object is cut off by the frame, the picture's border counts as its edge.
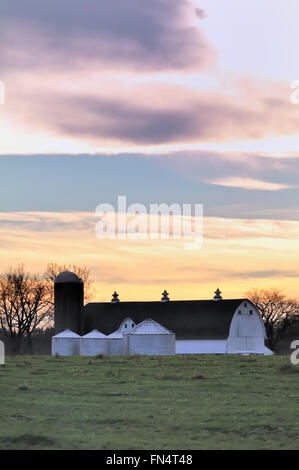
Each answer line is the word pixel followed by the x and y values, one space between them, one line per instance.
pixel 94 343
pixel 68 299
pixel 149 337
pixel 66 343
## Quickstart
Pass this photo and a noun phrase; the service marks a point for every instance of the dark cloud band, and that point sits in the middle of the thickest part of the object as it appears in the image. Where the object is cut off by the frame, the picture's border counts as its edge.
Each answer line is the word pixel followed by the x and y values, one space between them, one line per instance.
pixel 148 35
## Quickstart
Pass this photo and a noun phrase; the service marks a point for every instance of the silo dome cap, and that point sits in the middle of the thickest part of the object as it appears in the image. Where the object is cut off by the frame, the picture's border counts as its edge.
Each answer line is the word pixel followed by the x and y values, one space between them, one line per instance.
pixel 149 327
pixel 67 276
pixel 94 334
pixel 67 334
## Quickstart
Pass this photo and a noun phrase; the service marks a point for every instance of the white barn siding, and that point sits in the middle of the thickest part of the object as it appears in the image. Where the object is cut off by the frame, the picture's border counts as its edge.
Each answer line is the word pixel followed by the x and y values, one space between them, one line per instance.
pixel 198 346
pixel 126 325
pixel 245 345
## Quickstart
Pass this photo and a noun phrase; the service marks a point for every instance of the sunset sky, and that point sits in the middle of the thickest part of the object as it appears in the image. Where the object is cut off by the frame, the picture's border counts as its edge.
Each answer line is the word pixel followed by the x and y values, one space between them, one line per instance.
pixel 162 101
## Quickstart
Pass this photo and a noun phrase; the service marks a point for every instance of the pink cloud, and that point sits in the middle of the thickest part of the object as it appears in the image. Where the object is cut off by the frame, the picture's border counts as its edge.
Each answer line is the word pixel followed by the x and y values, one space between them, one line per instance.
pixel 150 113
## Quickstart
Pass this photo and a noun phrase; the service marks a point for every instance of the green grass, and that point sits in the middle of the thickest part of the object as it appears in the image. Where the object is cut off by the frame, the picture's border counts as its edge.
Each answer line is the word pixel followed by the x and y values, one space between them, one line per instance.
pixel 155 403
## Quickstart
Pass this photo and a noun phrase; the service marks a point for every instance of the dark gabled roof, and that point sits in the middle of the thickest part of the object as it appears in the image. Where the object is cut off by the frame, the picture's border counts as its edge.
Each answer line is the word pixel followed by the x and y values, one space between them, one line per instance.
pixel 188 319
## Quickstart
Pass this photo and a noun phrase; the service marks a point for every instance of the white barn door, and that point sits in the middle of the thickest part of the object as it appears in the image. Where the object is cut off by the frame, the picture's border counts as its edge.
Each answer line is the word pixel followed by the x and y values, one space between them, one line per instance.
pixel 244 326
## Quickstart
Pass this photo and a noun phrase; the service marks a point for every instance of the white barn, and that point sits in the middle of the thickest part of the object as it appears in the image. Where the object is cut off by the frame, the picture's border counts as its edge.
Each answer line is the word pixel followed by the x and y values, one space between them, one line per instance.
pixel 246 335
pixel 215 326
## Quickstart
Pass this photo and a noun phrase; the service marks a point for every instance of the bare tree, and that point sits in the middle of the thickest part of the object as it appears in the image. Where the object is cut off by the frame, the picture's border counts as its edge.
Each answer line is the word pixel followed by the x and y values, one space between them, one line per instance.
pixel 278 312
pixel 26 303
pixel 53 269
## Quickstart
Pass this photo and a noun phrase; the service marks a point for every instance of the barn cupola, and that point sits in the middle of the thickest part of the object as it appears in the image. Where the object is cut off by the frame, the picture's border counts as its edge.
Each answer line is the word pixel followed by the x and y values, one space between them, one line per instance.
pixel 217 295
pixel 115 298
pixel 165 297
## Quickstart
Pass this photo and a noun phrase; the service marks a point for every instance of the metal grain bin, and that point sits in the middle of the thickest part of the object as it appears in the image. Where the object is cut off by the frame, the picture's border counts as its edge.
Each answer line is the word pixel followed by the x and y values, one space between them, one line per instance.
pixel 94 343
pixel 66 343
pixel 149 337
pixel 116 344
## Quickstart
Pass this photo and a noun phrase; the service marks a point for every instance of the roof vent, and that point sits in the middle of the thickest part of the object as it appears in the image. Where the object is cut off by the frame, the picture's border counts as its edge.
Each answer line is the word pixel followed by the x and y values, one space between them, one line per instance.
pixel 217 295
pixel 165 297
pixel 115 298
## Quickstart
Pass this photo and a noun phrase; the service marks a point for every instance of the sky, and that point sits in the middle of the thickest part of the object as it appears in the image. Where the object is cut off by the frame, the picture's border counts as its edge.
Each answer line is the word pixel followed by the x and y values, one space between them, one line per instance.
pixel 188 102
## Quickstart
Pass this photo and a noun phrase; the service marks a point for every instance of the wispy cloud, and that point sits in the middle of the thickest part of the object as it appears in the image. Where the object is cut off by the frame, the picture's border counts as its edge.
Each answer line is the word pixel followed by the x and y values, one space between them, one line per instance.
pixel 271 273
pixel 249 184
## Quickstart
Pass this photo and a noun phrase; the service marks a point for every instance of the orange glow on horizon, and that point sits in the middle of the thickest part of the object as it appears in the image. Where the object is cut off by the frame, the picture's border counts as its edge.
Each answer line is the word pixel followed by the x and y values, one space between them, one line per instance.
pixel 237 255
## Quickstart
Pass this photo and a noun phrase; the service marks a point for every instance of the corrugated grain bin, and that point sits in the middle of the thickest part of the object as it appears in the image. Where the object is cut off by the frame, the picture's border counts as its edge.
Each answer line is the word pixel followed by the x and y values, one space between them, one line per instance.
pixel 66 343
pixel 94 343
pixel 149 337
pixel 116 344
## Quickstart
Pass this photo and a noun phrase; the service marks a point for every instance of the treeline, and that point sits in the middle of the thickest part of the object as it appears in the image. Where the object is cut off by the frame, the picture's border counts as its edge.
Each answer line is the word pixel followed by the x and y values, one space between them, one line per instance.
pixel 280 315
pixel 27 307
pixel 27 310
pixel 40 342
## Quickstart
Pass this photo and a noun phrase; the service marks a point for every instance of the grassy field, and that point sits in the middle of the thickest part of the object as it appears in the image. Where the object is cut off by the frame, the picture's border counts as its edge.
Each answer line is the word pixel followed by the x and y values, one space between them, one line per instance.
pixel 154 403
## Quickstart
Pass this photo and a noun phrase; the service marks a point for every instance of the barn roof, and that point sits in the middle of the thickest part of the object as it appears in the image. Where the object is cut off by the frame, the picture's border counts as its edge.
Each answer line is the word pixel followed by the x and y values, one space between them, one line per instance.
pixel 188 319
